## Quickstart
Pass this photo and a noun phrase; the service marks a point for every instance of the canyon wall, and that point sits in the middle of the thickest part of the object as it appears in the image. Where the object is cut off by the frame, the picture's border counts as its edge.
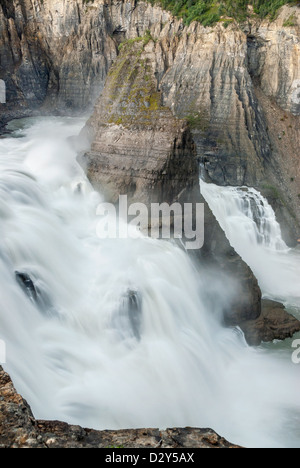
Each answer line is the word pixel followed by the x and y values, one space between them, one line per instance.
pixel 238 87
pixel 139 148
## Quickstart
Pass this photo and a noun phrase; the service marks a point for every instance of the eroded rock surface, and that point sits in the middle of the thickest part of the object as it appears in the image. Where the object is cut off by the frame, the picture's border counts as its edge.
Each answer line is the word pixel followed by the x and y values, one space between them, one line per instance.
pixel 141 149
pixel 274 323
pixel 238 87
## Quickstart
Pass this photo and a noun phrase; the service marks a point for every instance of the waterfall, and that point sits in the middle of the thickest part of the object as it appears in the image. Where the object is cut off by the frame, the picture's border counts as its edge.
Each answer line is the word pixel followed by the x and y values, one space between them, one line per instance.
pixel 251 227
pixel 113 334
pixel 245 215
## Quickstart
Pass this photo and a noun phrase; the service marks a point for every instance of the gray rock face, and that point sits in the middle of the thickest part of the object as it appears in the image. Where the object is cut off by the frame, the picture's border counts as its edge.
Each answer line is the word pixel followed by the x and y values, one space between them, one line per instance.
pixel 55 56
pixel 225 96
pixel 138 147
pixel 273 57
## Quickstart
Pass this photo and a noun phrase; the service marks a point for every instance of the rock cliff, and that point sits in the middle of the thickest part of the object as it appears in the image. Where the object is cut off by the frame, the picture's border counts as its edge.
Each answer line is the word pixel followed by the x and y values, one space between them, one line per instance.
pixel 238 87
pixel 141 149
pixel 55 55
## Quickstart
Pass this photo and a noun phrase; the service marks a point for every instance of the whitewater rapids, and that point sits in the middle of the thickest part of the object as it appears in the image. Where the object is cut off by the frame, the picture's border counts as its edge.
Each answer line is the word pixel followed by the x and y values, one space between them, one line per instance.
pixel 80 357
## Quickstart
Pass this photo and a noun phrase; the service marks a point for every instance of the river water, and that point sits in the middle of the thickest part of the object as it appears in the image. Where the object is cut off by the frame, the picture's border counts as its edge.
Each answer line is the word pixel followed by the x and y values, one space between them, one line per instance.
pixel 122 333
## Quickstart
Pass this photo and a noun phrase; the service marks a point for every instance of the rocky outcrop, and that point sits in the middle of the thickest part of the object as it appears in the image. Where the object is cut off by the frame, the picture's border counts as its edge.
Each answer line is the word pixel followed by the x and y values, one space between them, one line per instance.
pixel 138 147
pixel 237 281
pixel 19 429
pixel 141 149
pixel 274 323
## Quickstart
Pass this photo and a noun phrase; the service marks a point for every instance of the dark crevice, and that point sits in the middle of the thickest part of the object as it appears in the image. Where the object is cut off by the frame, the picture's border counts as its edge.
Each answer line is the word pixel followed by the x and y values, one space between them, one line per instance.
pixel 8 8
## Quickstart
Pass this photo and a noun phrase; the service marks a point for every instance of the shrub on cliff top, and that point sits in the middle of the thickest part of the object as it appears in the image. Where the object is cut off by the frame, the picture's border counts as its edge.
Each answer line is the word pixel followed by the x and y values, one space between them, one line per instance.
pixel 209 12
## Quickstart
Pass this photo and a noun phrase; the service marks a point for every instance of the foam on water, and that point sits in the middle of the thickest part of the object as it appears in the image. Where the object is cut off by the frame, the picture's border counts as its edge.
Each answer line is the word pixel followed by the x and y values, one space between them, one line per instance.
pixel 125 334
pixel 250 225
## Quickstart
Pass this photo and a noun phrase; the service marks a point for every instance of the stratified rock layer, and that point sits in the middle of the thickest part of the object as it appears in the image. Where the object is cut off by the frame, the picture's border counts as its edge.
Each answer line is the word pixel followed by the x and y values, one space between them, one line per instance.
pixel 138 147
pixel 238 87
pixel 141 149
pixel 19 429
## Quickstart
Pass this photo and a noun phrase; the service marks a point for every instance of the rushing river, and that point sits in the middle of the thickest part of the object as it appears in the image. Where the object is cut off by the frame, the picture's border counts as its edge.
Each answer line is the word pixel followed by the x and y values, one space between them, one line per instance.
pixel 121 333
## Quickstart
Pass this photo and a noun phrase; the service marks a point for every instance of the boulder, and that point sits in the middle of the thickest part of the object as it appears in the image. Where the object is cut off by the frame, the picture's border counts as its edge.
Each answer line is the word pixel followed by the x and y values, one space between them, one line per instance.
pixel 274 323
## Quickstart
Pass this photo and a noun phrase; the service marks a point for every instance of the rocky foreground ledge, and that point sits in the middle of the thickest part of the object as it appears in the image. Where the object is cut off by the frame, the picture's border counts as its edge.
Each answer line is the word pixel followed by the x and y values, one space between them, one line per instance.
pixel 19 429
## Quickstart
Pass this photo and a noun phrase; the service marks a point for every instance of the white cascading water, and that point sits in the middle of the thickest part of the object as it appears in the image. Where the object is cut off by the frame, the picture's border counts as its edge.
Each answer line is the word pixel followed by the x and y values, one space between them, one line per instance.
pixel 250 225
pixel 79 355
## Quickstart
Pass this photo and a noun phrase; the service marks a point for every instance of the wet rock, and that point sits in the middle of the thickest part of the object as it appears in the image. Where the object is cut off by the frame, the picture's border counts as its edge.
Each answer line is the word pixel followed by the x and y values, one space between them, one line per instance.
pixel 36 292
pixel 128 319
pixel 132 305
pixel 274 323
pixel 26 283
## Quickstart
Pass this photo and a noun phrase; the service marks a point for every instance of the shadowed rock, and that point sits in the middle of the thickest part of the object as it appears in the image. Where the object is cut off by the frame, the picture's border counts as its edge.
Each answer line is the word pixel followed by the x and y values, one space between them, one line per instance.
pixel 274 323
pixel 128 319
pixel 37 294
pixel 27 285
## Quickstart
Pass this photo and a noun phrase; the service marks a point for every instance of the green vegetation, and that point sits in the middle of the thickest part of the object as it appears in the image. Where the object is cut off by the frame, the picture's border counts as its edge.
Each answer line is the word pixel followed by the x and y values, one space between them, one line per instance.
pixel 273 192
pixel 144 39
pixel 133 98
pixel 198 120
pixel 290 22
pixel 209 12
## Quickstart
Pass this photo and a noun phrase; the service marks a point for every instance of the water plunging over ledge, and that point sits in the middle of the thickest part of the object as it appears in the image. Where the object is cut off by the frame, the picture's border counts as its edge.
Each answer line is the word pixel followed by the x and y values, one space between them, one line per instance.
pixel 75 349
pixel 250 225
